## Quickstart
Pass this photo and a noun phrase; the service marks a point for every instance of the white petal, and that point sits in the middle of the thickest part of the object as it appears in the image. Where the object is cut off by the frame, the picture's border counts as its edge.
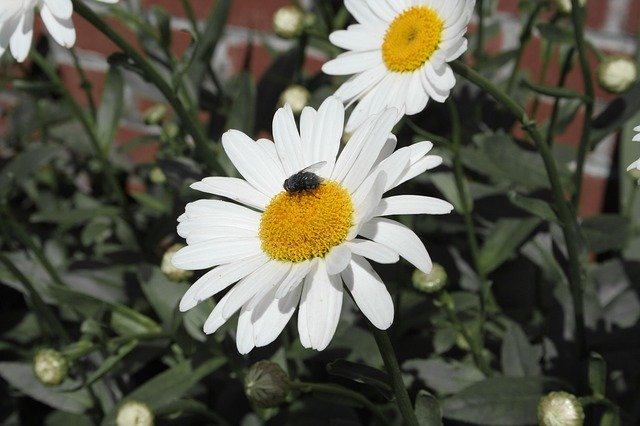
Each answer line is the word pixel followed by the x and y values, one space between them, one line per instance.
pixel 327 132
pixel 271 286
pixel 369 292
pixel 442 77
pixel 61 29
pixel 417 98
pixel 215 252
pixel 357 37
pixel 270 320
pixel 244 332
pixel 215 319
pixel 436 93
pixel 320 307
pixel 271 272
pixel 218 279
pixel 400 239
pixel 295 277
pixel 352 62
pixel 59 8
pixel 234 189
pixel 248 157
pixel 367 198
pixel 307 123
pixel 338 259
pixel 375 251
pixel 412 204
pixel 287 139
pixel 419 167
pixel 363 14
pixel 359 84
pixel 21 39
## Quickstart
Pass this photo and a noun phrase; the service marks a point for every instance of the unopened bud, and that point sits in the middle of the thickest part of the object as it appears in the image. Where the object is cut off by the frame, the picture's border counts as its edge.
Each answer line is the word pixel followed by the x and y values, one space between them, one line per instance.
pixel 166 266
pixel 560 409
pixel 296 96
pixel 135 413
pixel 289 21
pixel 156 175
pixel 565 6
pixel 155 114
pixel 50 367
pixel 431 282
pixel 616 73
pixel 266 384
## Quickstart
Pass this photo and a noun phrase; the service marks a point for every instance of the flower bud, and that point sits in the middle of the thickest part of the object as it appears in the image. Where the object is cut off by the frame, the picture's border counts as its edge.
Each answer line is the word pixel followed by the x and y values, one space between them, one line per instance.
pixel 134 413
pixel 166 266
pixel 296 96
pixel 616 73
pixel 50 367
pixel 155 114
pixel 266 384
pixel 431 282
pixel 560 409
pixel 289 21
pixel 156 175
pixel 565 6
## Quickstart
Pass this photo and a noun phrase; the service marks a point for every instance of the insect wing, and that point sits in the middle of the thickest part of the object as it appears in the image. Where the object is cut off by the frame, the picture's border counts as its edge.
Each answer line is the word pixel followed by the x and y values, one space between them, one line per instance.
pixel 314 167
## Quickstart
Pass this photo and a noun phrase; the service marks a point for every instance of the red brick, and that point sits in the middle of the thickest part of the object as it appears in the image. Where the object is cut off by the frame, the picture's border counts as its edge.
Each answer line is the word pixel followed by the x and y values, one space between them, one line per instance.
pixel 72 80
pixel 89 38
pixel 592 195
pixel 255 14
pixel 201 8
pixel 632 25
pixel 140 154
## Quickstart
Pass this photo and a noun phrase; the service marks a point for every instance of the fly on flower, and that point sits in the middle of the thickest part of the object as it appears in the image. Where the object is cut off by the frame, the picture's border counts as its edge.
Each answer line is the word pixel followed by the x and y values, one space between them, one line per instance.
pixel 285 249
pixel 305 179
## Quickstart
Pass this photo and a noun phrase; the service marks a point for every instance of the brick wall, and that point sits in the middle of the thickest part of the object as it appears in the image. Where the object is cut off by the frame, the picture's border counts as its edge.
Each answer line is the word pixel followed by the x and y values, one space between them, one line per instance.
pixel 611 27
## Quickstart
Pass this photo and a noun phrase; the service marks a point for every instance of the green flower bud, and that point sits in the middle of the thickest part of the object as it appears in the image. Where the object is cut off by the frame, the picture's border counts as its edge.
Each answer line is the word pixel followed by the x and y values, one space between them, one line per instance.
pixel 135 413
pixel 266 384
pixel 166 266
pixel 431 282
pixel 289 21
pixel 156 175
pixel 560 409
pixel 565 6
pixel 617 73
pixel 50 367
pixel 296 96
pixel 155 114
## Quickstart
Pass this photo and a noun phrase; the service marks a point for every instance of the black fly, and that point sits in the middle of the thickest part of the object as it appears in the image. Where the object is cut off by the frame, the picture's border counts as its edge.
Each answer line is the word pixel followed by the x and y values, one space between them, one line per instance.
pixel 304 180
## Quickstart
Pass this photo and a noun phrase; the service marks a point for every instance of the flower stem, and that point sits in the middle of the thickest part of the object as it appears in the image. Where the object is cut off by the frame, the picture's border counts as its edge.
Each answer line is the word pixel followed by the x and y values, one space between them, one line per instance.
pixel 525 36
pixel 391 364
pixel 570 228
pixel 577 17
pixel 189 121
pixel 342 392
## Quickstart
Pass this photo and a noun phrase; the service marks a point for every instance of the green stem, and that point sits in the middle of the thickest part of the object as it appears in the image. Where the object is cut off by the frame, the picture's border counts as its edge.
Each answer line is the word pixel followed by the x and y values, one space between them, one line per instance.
pixel 391 364
pixel 189 121
pixel 631 199
pixel 463 191
pixel 86 121
pixel 74 354
pixel 570 226
pixel 85 84
pixel 342 392
pixel 479 53
pixel 566 67
pixel 525 36
pixel 577 17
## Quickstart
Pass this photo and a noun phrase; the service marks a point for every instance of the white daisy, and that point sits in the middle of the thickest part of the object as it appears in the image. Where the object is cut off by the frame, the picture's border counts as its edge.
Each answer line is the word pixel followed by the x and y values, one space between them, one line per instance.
pixel 398 54
pixel 634 168
pixel 298 248
pixel 16 24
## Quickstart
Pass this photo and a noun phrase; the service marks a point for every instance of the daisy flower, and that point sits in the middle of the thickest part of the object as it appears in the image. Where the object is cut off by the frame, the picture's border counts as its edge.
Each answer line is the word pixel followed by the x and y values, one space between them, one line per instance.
pixel 16 24
pixel 398 54
pixel 634 168
pixel 300 246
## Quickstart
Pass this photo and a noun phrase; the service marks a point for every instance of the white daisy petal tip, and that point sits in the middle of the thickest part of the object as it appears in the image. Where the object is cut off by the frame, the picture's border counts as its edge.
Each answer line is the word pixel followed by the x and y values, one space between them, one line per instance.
pixel 400 47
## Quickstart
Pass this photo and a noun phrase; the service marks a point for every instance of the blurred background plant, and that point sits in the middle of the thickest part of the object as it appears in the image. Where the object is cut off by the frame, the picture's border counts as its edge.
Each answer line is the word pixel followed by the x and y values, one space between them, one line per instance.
pixel 96 157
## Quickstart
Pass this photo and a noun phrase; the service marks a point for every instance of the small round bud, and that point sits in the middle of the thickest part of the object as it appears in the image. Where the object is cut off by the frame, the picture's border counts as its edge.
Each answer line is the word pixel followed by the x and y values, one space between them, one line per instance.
pixel 50 367
pixel 560 409
pixel 156 175
pixel 155 114
pixel 266 384
pixel 166 266
pixel 289 21
pixel 296 96
pixel 565 6
pixel 135 413
pixel 616 73
pixel 431 282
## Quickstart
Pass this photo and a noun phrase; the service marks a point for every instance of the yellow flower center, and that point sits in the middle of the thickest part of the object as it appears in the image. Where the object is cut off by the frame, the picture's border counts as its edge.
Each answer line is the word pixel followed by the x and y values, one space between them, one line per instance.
pixel 411 39
pixel 299 226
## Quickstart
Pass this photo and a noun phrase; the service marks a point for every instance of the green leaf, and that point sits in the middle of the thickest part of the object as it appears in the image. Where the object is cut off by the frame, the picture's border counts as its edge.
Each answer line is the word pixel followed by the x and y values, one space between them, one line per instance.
pixel 446 184
pixel 556 34
pixel 76 216
pixel 110 108
pixel 519 357
pixel 536 207
pixel 22 166
pixel 60 418
pixel 554 92
pixel 616 114
pixel 243 108
pixel 428 410
pixel 597 375
pixel 505 237
pixel 362 373
pixel 606 232
pixel 21 376
pixel 162 293
pixel 444 377
pixel 499 401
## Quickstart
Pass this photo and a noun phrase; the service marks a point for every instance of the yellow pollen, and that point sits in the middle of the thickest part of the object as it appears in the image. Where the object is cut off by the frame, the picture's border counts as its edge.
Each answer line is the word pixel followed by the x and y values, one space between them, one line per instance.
pixel 299 226
pixel 411 39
